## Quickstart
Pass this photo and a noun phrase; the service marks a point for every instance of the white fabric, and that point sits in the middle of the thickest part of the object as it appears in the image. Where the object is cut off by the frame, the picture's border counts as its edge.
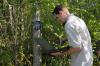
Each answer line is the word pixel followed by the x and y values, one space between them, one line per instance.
pixel 78 36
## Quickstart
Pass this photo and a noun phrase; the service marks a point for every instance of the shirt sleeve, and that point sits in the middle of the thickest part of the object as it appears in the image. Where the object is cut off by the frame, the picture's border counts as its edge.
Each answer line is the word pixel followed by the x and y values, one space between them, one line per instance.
pixel 74 37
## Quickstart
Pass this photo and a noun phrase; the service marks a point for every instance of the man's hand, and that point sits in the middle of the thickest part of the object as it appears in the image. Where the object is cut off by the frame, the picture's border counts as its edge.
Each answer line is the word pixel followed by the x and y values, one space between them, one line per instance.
pixel 57 54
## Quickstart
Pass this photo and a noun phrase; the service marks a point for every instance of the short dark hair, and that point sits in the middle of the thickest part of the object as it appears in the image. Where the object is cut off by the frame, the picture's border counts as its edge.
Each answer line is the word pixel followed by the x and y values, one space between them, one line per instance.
pixel 57 9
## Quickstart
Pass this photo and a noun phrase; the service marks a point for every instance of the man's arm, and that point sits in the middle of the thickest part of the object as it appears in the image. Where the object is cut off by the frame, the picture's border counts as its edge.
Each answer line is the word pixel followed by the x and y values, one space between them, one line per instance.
pixel 67 52
pixel 72 51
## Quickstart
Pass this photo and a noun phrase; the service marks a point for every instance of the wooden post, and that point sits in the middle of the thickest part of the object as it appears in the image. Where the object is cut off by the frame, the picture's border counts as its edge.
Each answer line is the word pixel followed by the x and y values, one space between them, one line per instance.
pixel 37 34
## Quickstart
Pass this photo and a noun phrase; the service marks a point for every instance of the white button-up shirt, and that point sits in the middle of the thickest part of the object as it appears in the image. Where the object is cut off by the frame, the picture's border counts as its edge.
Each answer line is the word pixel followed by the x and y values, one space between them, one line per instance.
pixel 78 36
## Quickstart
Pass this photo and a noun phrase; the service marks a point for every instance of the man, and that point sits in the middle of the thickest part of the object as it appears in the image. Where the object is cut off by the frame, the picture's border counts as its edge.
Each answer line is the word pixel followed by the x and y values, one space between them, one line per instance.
pixel 78 37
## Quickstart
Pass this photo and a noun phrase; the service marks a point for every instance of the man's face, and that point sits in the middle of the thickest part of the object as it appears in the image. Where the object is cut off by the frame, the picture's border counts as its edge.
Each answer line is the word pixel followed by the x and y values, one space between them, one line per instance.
pixel 61 17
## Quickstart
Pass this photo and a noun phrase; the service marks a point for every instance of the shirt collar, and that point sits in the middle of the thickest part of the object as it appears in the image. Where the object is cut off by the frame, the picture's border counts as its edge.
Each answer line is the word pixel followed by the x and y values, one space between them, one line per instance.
pixel 67 19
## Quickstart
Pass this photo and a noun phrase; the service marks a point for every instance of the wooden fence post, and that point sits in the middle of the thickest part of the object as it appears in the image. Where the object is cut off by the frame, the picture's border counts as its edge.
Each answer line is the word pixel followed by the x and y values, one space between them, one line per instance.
pixel 37 34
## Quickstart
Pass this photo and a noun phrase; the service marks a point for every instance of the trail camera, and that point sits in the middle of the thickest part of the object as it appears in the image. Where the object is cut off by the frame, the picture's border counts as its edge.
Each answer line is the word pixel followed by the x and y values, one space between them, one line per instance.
pixel 37 25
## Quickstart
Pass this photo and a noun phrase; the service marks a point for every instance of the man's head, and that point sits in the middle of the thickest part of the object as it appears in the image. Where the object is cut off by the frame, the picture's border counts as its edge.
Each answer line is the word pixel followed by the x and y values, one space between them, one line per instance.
pixel 61 13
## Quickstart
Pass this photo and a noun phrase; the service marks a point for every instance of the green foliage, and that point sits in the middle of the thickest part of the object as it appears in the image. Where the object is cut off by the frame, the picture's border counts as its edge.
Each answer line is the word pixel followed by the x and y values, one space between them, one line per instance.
pixel 6 56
